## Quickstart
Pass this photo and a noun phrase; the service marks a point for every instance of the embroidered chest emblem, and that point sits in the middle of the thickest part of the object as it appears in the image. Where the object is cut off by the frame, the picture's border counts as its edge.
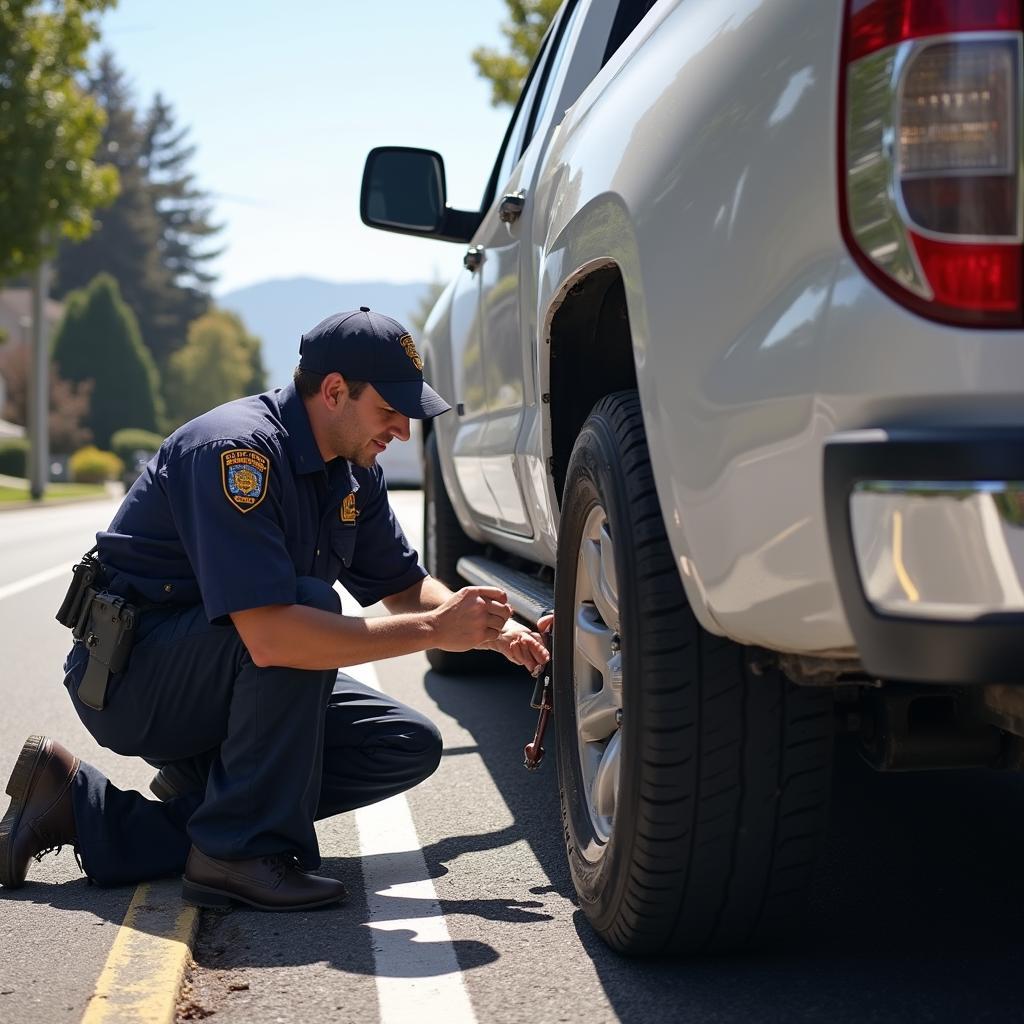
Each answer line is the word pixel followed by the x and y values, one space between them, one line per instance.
pixel 410 350
pixel 244 476
pixel 349 512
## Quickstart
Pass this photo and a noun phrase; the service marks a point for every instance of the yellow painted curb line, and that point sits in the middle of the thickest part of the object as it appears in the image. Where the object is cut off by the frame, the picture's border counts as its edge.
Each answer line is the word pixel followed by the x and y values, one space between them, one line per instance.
pixel 141 978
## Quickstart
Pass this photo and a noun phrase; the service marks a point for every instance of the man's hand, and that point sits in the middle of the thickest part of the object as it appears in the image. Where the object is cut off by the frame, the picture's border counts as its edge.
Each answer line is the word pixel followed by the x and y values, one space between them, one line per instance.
pixel 470 618
pixel 522 646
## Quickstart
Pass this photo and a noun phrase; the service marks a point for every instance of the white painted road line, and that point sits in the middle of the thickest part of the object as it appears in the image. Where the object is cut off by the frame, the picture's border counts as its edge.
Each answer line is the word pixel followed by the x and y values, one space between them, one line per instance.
pixel 35 580
pixel 415 966
pixel 417 973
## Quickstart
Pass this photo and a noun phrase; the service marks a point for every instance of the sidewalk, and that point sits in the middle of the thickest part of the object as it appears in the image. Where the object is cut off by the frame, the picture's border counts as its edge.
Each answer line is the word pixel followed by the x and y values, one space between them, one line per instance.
pixel 54 497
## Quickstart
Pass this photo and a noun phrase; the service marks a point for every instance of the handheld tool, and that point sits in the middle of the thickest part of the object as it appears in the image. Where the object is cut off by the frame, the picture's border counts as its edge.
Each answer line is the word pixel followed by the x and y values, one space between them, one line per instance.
pixel 533 752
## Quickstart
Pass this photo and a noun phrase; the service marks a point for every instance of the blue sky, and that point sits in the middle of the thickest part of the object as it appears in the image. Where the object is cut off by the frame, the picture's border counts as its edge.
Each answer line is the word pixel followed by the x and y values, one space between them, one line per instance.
pixel 285 99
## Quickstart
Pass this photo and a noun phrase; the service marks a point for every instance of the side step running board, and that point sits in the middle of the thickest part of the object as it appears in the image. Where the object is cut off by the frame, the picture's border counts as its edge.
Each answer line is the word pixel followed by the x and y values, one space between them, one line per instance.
pixel 529 597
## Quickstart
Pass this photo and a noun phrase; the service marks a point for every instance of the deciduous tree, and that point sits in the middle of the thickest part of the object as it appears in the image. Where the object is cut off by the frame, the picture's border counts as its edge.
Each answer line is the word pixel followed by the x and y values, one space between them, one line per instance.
pixel 69 402
pixel 220 362
pixel 49 130
pixel 524 30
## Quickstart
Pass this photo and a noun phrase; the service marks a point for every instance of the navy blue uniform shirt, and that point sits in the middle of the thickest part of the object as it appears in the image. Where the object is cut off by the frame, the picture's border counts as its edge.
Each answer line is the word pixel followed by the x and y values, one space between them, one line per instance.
pixel 239 502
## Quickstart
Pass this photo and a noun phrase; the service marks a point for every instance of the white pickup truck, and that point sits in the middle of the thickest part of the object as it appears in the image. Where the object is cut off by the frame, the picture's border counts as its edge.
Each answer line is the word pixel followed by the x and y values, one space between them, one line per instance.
pixel 736 357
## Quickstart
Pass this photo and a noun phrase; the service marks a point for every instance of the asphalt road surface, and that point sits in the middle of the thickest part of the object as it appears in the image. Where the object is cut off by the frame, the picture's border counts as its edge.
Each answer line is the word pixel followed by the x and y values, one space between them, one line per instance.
pixel 461 905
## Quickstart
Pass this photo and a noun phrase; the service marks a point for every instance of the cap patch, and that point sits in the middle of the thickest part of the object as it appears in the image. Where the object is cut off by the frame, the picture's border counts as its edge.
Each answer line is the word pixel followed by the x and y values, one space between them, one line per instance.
pixel 410 350
pixel 348 512
pixel 244 475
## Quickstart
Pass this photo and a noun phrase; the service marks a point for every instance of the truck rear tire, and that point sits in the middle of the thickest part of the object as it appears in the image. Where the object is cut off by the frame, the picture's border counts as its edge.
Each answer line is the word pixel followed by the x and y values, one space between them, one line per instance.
pixel 694 791
pixel 444 543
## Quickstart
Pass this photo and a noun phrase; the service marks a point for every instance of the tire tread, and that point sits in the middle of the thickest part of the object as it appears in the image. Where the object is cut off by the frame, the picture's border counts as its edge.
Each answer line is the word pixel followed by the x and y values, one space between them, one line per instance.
pixel 713 828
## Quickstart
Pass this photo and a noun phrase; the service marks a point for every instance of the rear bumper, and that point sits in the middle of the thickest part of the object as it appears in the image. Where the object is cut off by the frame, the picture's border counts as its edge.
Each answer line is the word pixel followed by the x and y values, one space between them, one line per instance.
pixel 926 530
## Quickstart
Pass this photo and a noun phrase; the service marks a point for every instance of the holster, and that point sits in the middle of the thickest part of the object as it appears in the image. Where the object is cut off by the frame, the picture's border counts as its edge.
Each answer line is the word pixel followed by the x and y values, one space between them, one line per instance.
pixel 109 635
pixel 104 622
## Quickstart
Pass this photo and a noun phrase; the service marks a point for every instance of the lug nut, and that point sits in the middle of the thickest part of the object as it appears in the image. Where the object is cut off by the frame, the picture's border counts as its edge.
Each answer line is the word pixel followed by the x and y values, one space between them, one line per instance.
pixel 616 643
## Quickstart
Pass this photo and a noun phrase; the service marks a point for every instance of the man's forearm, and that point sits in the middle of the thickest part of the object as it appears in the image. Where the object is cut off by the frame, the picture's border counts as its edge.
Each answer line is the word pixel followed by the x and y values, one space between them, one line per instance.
pixel 295 636
pixel 423 596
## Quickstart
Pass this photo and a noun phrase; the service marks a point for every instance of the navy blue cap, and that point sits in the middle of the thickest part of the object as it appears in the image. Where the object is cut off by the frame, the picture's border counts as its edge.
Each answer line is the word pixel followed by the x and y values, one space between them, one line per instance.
pixel 363 345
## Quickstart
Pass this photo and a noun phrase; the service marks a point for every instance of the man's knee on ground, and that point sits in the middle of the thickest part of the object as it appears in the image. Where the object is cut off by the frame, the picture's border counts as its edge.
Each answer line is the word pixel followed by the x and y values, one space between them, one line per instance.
pixel 315 593
pixel 406 754
pixel 430 746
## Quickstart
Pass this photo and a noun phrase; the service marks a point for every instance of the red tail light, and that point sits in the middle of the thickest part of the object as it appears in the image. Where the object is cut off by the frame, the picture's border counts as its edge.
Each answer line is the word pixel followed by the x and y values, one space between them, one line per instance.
pixel 874 24
pixel 983 277
pixel 931 154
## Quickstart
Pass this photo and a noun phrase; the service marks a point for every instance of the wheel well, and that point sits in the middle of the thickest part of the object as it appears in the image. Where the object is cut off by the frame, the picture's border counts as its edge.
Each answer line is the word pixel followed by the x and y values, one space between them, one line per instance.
pixel 591 356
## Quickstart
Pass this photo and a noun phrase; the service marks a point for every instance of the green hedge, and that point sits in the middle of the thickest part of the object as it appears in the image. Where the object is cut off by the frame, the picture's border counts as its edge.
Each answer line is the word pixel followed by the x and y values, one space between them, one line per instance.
pixel 89 465
pixel 126 442
pixel 14 457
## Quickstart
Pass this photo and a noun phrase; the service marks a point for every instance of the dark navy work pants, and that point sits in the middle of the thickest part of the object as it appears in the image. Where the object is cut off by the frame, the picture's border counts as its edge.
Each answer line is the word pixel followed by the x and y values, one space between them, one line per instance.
pixel 272 749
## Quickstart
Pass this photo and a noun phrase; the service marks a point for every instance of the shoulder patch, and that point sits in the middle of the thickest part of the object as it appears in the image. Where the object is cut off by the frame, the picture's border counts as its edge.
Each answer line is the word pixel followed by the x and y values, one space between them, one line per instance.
pixel 349 512
pixel 244 476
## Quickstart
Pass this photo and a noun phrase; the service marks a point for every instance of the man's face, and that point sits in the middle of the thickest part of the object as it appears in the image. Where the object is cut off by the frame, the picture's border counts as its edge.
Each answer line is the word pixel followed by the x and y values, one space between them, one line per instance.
pixel 361 428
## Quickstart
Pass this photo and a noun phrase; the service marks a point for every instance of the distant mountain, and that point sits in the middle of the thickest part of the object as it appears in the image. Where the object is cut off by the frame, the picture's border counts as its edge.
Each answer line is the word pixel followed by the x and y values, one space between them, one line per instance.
pixel 279 311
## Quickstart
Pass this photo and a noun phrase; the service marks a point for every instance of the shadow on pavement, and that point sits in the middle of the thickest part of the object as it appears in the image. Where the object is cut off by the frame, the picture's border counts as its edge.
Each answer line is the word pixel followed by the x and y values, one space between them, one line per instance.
pixel 343 940
pixel 75 896
pixel 242 939
pixel 501 725
pixel 915 911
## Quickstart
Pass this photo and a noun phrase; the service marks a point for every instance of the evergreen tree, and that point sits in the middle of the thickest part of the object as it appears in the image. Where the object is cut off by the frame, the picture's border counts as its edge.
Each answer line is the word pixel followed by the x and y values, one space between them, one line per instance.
pixel 152 239
pixel 125 243
pixel 99 340
pixel 220 362
pixel 183 210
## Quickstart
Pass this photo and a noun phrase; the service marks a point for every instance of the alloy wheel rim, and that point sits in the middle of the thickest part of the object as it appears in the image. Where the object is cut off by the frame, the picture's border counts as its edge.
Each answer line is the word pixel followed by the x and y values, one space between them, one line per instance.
pixel 597 673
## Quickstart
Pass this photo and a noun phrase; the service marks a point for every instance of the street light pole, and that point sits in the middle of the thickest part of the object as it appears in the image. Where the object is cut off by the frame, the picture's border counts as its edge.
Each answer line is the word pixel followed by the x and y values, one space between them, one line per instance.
pixel 39 388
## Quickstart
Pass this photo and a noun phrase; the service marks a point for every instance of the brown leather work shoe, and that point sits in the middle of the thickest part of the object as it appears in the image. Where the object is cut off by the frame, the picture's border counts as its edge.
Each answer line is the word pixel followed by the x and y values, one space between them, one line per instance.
pixel 173 781
pixel 40 818
pixel 163 786
pixel 267 883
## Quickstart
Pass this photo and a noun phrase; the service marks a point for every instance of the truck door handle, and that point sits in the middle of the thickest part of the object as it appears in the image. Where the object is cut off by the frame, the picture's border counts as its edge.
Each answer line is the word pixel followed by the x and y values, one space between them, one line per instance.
pixel 511 207
pixel 473 258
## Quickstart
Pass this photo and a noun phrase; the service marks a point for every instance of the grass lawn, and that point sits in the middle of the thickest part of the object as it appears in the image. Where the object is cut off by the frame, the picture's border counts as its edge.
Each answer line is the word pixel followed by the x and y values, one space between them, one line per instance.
pixel 54 492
